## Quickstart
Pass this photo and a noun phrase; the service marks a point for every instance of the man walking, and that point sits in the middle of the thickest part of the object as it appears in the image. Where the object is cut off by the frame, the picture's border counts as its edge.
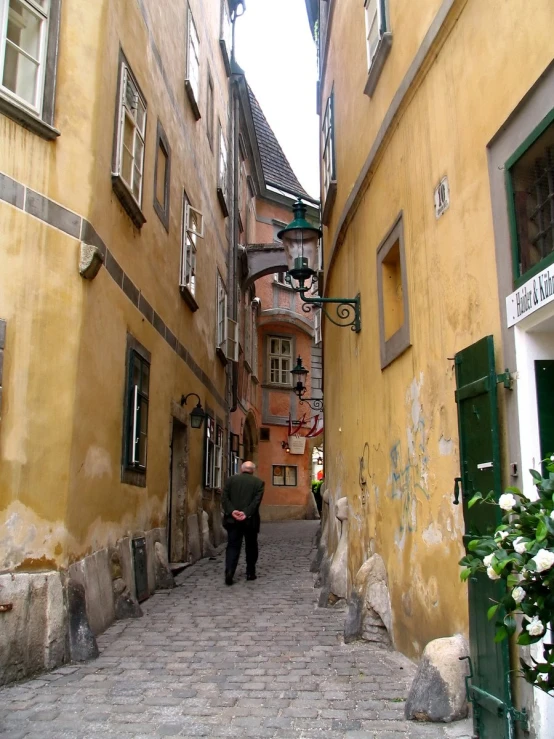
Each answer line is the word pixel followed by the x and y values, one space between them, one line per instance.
pixel 242 496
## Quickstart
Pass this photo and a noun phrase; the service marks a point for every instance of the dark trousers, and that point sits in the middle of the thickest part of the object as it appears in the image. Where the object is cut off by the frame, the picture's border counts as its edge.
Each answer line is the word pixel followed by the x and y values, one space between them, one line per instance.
pixel 236 532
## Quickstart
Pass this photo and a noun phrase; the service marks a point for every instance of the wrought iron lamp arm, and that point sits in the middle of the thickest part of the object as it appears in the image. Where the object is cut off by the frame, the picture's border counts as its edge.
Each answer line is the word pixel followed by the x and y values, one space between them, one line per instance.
pixel 184 398
pixel 348 310
pixel 316 404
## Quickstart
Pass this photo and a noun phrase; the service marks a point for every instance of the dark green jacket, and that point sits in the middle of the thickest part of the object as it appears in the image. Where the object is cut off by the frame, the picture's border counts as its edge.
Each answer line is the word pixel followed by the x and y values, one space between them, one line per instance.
pixel 244 493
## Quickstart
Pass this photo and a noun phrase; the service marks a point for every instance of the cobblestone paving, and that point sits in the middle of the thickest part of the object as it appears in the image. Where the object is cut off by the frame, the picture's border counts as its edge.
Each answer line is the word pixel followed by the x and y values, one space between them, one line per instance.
pixel 258 659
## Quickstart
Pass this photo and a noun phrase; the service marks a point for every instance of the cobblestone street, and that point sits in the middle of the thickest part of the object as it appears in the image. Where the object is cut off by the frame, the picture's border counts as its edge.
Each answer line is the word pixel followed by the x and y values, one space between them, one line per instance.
pixel 258 659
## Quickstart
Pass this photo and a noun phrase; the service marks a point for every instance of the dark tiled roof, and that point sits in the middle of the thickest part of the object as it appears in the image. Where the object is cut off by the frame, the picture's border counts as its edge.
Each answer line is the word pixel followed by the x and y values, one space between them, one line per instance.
pixel 276 167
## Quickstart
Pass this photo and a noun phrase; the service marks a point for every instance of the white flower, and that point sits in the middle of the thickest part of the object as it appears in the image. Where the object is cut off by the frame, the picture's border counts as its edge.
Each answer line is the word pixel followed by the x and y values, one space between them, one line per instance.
pixel 543 560
pixel 492 574
pixel 535 626
pixel 519 545
pixel 552 515
pixel 488 560
pixel 507 501
pixel 518 594
pixel 532 495
pixel 552 458
pixel 503 535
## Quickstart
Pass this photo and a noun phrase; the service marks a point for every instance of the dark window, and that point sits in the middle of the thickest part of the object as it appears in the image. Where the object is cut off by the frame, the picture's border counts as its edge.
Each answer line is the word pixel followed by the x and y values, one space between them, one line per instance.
pixel 264 433
pixel 530 179
pixel 136 413
pixel 210 110
pixel 285 475
pixel 209 452
pixel 162 177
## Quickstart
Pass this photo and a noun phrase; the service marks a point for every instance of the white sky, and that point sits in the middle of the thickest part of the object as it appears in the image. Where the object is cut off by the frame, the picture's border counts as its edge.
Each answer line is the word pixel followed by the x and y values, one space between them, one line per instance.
pixel 275 48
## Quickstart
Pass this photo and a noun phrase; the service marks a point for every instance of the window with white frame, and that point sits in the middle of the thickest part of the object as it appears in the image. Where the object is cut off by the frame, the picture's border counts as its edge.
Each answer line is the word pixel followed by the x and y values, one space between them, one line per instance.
pixel 328 146
pixel 226 35
pixel 137 416
pixel 317 326
pixel 254 342
pixel 128 172
pixel 192 79
pixel 23 49
pixel 280 360
pixel 281 278
pixel 209 452
pixel 193 229
pixel 222 170
pixel 375 25
pixel 221 314
pixel 218 459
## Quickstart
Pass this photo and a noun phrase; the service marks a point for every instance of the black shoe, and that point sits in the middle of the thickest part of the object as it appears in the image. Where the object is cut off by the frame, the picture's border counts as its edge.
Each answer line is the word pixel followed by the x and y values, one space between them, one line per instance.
pixel 228 578
pixel 251 576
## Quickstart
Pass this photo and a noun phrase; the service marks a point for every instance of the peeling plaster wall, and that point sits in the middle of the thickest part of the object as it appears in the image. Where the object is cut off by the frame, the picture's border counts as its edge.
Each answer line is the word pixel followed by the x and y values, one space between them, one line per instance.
pixel 391 435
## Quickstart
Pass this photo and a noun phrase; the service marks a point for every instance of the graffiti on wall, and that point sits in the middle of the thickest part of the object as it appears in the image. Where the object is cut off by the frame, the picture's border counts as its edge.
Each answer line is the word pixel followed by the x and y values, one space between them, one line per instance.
pixel 408 462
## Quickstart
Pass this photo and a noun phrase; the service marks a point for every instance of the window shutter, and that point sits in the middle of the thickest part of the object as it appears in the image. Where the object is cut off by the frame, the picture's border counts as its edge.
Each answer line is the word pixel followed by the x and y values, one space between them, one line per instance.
pixel 232 352
pixel 194 221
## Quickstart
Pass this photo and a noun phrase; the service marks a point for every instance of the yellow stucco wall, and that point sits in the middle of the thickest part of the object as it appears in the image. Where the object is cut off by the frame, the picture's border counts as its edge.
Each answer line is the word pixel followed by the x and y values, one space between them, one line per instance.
pixel 401 422
pixel 61 494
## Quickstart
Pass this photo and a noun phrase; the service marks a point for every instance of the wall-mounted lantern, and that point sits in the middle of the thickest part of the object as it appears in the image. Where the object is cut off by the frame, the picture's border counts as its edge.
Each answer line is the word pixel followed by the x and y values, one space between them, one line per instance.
pixel 197 414
pixel 300 240
pixel 299 372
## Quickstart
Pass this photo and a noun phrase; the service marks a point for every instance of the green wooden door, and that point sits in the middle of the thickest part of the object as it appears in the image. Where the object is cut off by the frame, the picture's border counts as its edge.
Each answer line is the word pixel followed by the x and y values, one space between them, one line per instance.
pixel 476 396
pixel 544 376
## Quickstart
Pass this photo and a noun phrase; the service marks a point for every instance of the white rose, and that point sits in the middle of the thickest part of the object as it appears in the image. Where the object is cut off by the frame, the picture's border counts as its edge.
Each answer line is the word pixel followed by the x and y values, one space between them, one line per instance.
pixel 519 545
pixel 543 560
pixel 518 594
pixel 552 458
pixel 492 574
pixel 532 495
pixel 507 501
pixel 535 627
pixel 552 515
pixel 488 560
pixel 503 534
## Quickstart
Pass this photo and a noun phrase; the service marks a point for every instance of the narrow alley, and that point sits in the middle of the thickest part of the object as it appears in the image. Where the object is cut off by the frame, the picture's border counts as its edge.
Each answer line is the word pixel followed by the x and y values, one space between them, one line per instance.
pixel 258 659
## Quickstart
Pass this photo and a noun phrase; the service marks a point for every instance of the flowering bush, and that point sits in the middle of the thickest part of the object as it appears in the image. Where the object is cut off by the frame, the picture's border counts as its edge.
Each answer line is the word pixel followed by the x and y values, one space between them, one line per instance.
pixel 521 552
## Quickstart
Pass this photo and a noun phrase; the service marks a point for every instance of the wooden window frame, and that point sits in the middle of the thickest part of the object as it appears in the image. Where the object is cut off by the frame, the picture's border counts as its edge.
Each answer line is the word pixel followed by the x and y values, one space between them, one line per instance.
pixel 38 116
pixel 132 471
pixel 192 78
pixel 329 175
pixel 376 12
pixel 189 237
pixel 222 171
pixel 285 468
pixel 279 356
pixel 399 342
pixel 162 209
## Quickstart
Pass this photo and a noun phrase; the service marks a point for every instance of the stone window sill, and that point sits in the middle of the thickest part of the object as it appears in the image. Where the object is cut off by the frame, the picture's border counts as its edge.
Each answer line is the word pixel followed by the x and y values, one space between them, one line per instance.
pixel 221 356
pixel 192 100
pixel 27 119
pixel 189 299
pixel 377 63
pixel 127 201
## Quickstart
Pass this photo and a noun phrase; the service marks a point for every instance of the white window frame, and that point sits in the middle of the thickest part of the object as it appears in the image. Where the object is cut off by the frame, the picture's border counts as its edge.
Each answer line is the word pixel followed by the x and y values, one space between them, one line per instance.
pixel 193 57
pixel 232 341
pixel 222 164
pixel 43 14
pixel 226 35
pixel 317 326
pixel 280 357
pixel 280 278
pixel 209 451
pixel 190 233
pixel 221 328
pixel 375 15
pixel 218 458
pixel 328 145
pixel 126 112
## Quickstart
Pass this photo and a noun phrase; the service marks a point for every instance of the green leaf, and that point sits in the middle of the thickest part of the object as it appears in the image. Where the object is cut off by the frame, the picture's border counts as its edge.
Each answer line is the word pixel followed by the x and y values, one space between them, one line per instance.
pixel 511 581
pixel 492 610
pixel 464 574
pixel 501 634
pixel 473 501
pixel 542 531
pixel 524 638
pixel 510 624
pixel 474 544
pixel 536 475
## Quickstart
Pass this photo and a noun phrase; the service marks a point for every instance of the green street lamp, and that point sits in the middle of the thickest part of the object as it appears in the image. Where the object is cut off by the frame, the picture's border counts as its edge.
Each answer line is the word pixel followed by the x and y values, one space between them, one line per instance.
pixel 300 241
pixel 299 373
pixel 197 414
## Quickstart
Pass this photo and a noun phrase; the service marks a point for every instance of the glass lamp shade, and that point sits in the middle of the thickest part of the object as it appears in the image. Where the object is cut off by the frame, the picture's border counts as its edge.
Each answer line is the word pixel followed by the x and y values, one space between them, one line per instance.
pixel 197 416
pixel 298 371
pixel 300 241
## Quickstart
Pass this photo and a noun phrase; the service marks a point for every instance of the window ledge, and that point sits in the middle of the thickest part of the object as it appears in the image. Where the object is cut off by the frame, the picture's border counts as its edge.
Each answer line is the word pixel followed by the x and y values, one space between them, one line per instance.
pixel 280 285
pixel 192 100
pixel 221 356
pixel 188 297
pixel 270 386
pixel 131 476
pixel 128 201
pixel 329 202
pixel 377 63
pixel 27 119
pixel 222 201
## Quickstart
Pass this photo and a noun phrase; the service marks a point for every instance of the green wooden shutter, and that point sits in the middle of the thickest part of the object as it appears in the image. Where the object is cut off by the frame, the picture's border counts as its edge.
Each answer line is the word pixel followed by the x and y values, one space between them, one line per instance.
pixel 476 396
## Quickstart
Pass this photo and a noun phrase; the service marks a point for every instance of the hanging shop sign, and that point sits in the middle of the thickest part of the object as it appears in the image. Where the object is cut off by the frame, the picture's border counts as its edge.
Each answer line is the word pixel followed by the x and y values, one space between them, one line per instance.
pixel 534 294
pixel 297 444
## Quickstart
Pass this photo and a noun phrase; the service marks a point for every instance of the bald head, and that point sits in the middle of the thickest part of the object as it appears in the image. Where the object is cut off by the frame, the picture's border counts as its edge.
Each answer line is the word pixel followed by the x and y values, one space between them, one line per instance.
pixel 248 467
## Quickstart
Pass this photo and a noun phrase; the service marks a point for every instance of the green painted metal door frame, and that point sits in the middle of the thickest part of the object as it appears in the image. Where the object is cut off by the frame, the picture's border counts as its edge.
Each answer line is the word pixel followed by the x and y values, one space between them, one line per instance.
pixel 476 395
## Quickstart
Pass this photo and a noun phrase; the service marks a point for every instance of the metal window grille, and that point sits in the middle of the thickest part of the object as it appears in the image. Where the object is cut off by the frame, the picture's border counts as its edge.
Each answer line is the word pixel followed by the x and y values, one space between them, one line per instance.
pixel 532 179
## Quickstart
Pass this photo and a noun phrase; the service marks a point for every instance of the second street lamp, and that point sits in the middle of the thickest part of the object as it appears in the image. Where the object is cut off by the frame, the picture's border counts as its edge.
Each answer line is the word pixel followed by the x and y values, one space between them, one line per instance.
pixel 299 373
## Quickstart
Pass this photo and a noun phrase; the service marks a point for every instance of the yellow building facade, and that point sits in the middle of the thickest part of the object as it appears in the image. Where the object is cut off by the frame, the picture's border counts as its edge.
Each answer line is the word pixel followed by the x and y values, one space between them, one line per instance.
pixel 415 100
pixel 115 205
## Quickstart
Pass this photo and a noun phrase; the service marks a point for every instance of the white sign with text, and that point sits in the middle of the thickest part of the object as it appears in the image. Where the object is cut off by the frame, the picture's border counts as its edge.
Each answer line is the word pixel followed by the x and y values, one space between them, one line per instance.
pixel 534 294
